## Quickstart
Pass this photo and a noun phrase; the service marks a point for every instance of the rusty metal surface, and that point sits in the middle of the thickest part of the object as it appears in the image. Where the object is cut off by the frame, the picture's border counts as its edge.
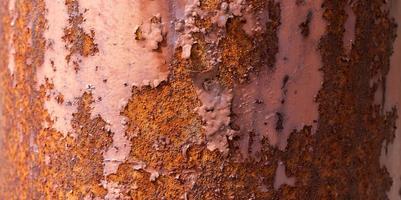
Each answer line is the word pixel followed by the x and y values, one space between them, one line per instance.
pixel 338 161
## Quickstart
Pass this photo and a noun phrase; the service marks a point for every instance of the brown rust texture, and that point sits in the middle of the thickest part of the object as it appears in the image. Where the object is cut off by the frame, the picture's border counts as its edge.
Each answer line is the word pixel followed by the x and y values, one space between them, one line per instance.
pixel 339 161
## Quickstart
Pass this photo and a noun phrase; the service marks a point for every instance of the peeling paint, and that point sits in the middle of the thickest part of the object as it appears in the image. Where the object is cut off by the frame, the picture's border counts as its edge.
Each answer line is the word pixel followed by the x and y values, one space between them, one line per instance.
pixel 121 61
pixel 57 19
pixel 152 32
pixel 390 156
pixel 236 7
pixel 215 112
pixel 211 94
pixel 278 101
pixel 349 34
pixel 281 178
pixel 254 22
pixel 299 58
pixel 139 165
pixel 221 17
pixel 182 165
pixel 113 190
pixel 185 25
pixel 153 175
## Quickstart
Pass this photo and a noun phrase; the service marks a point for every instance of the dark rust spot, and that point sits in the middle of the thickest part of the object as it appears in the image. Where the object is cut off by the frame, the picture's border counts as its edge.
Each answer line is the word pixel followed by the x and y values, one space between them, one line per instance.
pixel 305 26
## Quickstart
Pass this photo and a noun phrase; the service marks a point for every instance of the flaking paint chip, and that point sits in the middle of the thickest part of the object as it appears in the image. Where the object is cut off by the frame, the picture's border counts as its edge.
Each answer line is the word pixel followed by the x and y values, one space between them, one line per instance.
pixel 139 165
pixel 154 175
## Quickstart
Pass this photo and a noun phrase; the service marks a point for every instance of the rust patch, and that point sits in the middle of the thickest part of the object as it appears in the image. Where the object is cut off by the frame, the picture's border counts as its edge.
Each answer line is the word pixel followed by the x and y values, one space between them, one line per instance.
pixel 76 39
pixel 342 160
pixel 237 50
pixel 20 109
pixel 80 158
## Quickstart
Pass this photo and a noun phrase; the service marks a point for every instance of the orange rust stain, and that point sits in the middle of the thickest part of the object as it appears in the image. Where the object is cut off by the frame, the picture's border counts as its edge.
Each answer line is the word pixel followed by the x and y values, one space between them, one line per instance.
pixel 238 59
pixel 74 165
pixel 77 40
pixel 154 113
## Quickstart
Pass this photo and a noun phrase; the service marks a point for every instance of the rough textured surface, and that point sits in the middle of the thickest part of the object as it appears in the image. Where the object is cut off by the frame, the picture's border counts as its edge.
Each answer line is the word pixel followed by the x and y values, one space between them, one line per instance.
pixel 223 49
